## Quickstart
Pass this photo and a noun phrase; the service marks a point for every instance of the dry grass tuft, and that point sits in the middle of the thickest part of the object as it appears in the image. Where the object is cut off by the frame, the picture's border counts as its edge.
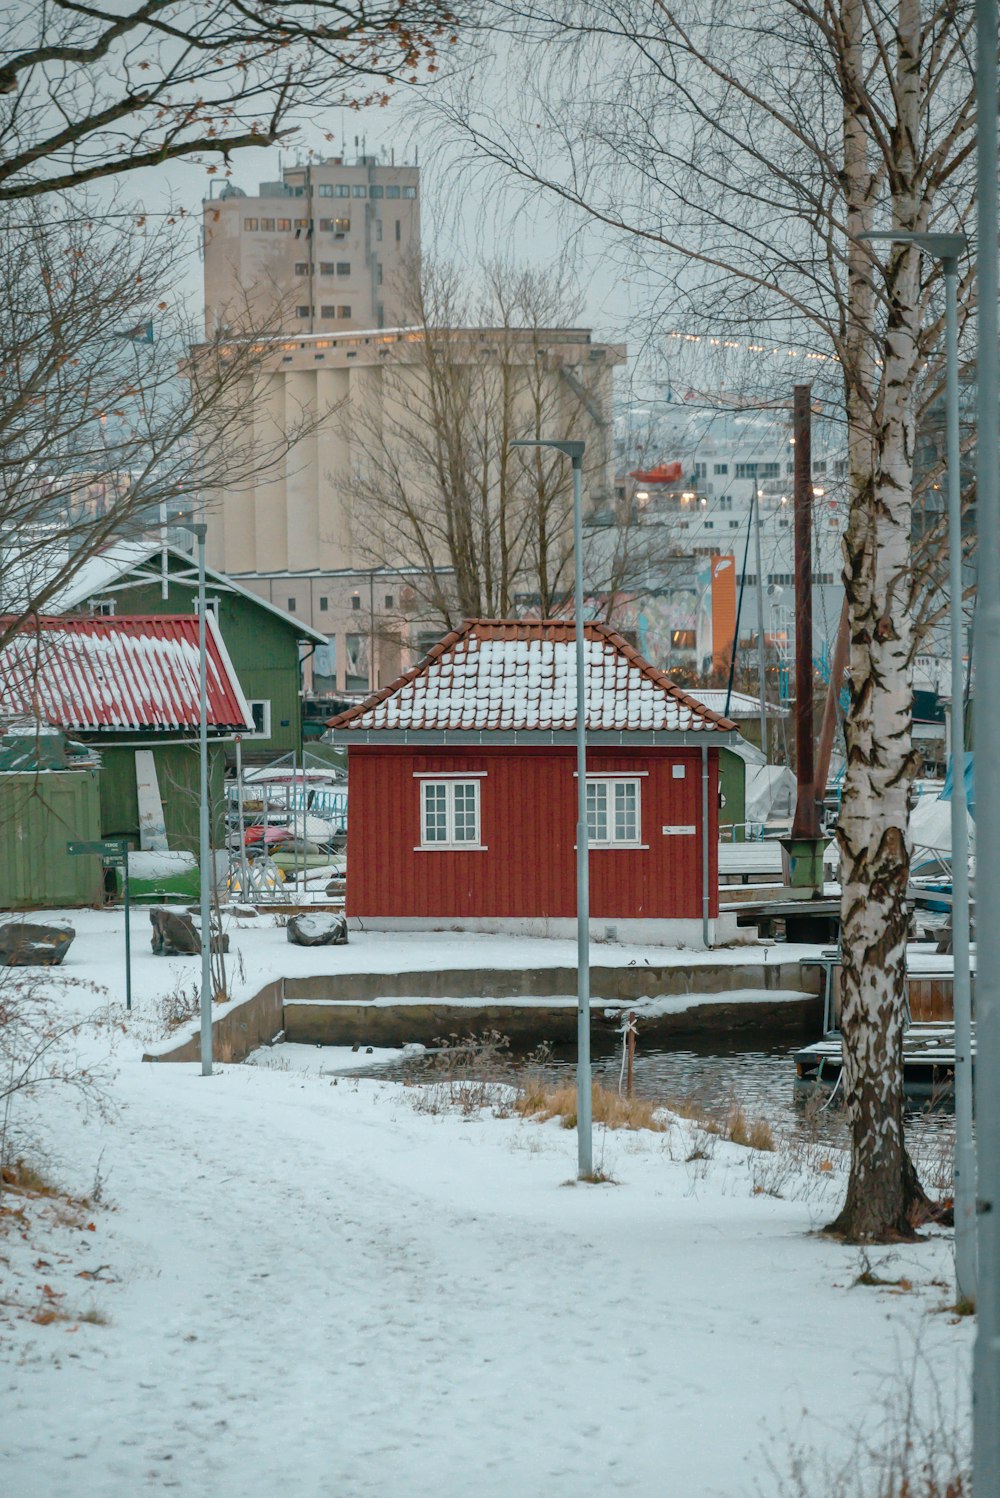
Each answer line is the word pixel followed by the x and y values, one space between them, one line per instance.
pixel 93 1317
pixel 25 1179
pixel 540 1102
pixel 752 1133
pixel 48 1314
pixel 179 1007
pixel 869 1275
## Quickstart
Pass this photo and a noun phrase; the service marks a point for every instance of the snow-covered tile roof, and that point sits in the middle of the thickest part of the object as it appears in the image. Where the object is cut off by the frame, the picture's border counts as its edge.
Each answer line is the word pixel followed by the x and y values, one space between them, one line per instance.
pixel 505 675
pixel 124 672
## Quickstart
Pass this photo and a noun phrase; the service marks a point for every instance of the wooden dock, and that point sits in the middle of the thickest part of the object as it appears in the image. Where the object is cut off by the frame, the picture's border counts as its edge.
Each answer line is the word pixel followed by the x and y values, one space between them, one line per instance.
pixel 928 1041
pixel 928 1059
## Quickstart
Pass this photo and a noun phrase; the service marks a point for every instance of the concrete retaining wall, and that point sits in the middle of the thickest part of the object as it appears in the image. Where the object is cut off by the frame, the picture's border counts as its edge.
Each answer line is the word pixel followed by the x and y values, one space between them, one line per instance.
pixel 253 1023
pixel 645 981
pixel 351 1007
pixel 339 1023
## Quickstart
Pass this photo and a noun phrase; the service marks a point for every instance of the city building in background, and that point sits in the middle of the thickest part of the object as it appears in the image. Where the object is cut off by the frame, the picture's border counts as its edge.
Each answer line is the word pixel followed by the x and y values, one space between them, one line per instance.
pixel 309 537
pixel 720 485
pixel 320 268
pixel 326 244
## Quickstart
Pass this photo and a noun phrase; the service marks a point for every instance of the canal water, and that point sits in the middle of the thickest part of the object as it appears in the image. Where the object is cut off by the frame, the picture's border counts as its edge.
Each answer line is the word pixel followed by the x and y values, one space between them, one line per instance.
pixel 712 1076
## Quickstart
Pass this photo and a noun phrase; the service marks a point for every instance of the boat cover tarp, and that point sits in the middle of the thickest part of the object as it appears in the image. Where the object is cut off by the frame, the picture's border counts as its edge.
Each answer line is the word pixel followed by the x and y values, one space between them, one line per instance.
pixel 770 792
pixel 970 782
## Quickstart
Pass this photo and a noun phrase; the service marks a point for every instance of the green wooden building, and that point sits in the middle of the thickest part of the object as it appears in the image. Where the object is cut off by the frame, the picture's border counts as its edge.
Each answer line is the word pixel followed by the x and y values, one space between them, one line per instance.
pixel 127 686
pixel 265 645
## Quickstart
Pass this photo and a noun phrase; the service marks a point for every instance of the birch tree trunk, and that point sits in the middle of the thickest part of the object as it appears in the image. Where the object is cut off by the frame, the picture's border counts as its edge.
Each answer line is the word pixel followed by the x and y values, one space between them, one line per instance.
pixel 744 151
pixel 872 832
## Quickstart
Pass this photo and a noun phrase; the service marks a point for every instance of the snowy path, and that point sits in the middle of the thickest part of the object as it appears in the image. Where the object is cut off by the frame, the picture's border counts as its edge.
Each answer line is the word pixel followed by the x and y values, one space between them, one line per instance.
pixel 326 1294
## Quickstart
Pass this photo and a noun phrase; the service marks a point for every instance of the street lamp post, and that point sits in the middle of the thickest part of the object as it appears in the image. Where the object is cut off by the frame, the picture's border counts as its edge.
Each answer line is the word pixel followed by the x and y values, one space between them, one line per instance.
pixel 986 1360
pixel 198 529
pixel 947 248
pixel 584 1095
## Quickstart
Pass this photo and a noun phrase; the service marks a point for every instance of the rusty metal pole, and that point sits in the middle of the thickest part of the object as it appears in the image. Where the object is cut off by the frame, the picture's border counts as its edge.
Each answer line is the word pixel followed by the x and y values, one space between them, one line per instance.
pixel 806 822
pixel 838 665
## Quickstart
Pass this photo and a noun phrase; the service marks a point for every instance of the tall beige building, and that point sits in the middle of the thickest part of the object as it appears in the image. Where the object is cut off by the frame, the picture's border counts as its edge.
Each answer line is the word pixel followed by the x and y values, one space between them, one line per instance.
pixel 329 533
pixel 344 531
pixel 326 244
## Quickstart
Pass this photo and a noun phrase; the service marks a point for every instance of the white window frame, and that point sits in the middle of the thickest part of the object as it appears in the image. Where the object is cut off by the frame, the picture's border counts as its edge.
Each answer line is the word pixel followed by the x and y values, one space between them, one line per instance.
pixel 449 844
pixel 265 703
pixel 611 783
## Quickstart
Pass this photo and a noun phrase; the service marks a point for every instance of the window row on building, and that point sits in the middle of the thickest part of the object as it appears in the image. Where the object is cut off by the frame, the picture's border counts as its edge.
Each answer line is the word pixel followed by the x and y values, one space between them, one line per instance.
pixel 360 190
pixel 338 227
pixel 451 812
pixel 787 579
pixel 326 268
pixel 389 601
pixel 772 470
pixel 336 312
pixel 353 190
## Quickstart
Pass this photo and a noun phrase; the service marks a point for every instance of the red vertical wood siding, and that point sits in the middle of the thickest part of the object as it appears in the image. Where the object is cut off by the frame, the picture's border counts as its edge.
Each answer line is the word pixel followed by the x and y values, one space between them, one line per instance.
pixel 528 824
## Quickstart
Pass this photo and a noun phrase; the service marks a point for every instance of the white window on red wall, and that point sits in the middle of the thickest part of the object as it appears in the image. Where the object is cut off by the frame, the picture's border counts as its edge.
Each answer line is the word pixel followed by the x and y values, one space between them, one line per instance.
pixel 449 814
pixel 614 813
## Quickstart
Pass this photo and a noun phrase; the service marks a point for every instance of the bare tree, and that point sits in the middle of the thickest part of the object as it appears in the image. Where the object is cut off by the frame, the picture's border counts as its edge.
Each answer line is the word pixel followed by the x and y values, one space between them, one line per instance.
pixel 90 91
pixel 436 485
pixel 99 429
pixel 748 150
pixel 38 1050
pixel 105 419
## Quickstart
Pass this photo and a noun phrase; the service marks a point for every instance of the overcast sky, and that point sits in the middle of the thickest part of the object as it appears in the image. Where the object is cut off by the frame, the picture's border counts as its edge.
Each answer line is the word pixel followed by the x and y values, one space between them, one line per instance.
pixel 469 221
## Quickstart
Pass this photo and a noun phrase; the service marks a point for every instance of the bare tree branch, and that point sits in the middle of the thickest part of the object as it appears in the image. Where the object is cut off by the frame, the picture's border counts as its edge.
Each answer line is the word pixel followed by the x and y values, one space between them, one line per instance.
pixel 88 92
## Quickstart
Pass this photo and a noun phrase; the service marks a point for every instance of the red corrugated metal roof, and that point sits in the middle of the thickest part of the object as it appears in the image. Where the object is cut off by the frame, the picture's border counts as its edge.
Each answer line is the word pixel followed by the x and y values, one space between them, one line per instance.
pixel 122 672
pixel 507 674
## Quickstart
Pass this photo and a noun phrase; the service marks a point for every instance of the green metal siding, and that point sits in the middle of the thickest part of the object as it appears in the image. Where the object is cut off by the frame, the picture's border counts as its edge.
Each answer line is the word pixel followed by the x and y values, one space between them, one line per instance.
pixel 178 779
pixel 264 652
pixel 733 784
pixel 39 814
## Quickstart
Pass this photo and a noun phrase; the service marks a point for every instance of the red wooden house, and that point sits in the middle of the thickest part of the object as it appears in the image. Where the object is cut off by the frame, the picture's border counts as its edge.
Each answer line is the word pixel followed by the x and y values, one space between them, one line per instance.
pixel 462 782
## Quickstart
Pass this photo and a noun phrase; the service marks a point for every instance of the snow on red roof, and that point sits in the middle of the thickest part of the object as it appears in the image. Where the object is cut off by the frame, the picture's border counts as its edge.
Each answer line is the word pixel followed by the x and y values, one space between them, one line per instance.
pixel 121 672
pixel 514 674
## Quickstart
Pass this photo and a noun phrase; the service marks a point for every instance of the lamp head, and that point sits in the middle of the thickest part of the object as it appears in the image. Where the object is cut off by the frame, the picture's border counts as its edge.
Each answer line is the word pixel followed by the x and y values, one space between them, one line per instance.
pixel 573 450
pixel 938 246
pixel 196 528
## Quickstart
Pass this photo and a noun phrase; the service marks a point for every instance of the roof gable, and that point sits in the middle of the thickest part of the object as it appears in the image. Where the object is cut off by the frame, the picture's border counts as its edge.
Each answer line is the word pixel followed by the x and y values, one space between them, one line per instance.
pixel 123 672
pixel 502 675
pixel 106 569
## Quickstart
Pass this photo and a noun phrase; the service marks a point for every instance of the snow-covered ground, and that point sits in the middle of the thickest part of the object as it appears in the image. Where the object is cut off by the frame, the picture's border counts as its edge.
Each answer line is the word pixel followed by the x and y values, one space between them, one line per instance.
pixel 327 1286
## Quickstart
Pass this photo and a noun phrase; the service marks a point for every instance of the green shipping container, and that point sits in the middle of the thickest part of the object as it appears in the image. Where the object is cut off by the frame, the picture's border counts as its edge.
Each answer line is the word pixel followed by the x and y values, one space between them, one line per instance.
pixel 40 812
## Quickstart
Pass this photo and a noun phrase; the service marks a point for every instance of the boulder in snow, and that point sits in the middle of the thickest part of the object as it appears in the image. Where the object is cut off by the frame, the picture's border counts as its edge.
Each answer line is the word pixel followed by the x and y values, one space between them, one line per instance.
pixel 319 930
pixel 174 933
pixel 27 944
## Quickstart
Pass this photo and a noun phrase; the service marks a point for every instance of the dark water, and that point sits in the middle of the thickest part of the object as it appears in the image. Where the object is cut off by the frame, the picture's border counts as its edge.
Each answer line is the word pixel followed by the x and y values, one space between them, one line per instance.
pixel 712 1075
